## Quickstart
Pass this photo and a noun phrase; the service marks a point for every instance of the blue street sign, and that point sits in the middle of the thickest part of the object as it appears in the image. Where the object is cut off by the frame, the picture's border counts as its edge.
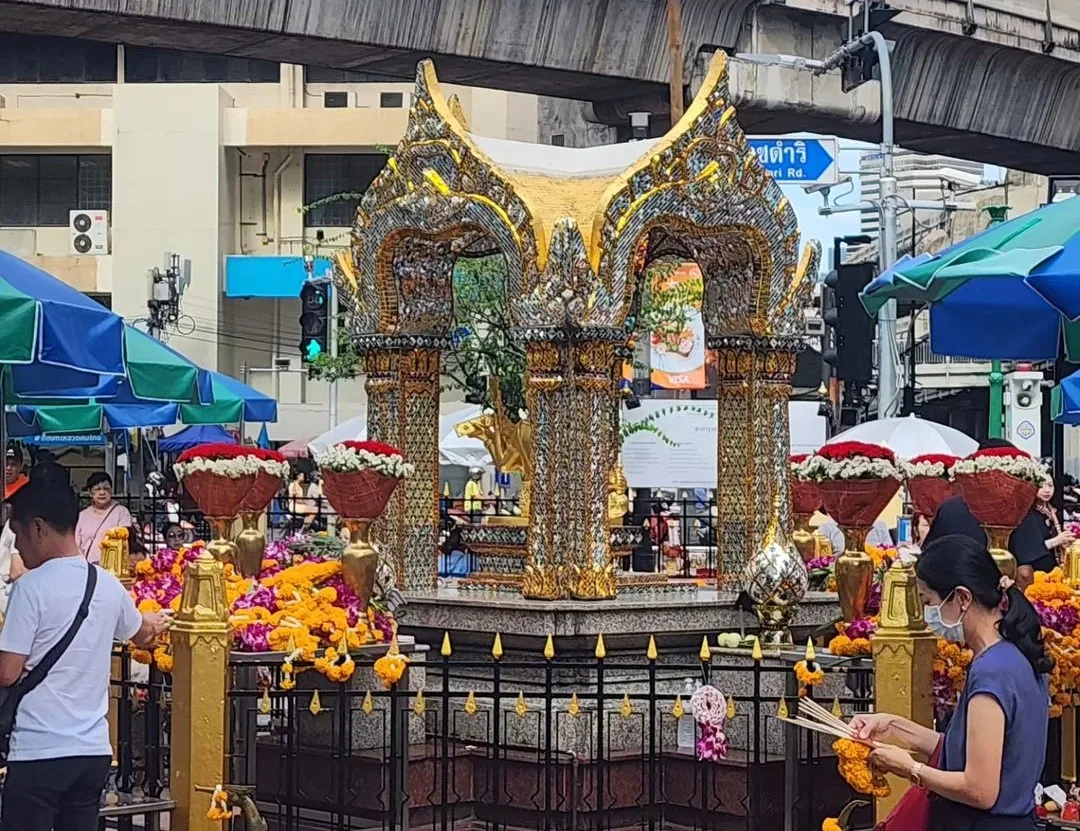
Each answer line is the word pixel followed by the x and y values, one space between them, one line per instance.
pixel 803 161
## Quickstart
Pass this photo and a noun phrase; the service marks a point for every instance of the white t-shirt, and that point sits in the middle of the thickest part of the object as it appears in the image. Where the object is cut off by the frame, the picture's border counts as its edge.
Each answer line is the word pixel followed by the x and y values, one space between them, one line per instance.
pixel 66 714
pixel 7 550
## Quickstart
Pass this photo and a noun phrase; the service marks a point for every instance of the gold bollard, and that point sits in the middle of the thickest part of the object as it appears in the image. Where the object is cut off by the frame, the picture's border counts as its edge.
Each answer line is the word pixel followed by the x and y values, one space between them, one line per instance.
pixel 200 641
pixel 903 651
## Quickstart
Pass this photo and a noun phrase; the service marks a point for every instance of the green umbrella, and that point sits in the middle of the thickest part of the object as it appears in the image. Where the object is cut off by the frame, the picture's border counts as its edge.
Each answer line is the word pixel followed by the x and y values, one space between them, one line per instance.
pixel 234 402
pixel 155 372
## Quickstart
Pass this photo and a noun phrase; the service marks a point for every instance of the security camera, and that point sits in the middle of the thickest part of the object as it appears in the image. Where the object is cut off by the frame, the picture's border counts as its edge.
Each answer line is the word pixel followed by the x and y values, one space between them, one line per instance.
pixel 818 187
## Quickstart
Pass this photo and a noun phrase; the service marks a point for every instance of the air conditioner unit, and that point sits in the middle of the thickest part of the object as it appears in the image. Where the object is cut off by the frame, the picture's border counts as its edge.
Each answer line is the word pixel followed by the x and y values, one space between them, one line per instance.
pixel 89 232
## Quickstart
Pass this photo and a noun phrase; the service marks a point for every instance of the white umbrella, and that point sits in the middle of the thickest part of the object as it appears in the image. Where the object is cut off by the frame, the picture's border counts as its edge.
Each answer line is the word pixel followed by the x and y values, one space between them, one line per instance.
pixel 453 449
pixel 910 436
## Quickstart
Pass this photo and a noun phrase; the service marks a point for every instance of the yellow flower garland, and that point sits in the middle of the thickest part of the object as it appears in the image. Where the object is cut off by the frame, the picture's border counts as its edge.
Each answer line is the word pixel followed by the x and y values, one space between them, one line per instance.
pixel 830 824
pixel 808 677
pixel 853 761
pixel 220 811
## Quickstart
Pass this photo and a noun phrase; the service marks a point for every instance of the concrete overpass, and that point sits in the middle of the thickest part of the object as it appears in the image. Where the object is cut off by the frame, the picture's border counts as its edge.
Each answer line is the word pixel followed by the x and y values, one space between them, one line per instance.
pixel 992 80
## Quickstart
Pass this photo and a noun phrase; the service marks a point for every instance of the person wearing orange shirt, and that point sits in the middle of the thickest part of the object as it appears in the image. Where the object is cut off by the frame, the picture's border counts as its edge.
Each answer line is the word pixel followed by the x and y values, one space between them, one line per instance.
pixel 14 478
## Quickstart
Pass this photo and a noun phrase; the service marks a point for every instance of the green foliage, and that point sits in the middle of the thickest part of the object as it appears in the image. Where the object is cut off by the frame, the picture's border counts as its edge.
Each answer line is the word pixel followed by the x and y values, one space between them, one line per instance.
pixel 649 423
pixel 481 345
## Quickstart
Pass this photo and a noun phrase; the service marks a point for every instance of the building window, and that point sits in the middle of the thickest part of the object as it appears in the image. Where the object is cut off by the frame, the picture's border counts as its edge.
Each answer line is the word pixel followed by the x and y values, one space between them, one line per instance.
pixel 558 140
pixel 34 59
pixel 391 100
pixel 150 65
pixel 337 174
pixel 42 189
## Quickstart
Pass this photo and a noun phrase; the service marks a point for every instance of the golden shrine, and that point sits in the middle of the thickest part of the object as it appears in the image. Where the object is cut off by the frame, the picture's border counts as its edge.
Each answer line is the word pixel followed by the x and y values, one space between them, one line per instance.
pixel 576 227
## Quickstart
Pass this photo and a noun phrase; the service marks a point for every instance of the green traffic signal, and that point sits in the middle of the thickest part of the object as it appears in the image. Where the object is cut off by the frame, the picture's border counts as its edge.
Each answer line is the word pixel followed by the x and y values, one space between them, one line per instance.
pixel 312 350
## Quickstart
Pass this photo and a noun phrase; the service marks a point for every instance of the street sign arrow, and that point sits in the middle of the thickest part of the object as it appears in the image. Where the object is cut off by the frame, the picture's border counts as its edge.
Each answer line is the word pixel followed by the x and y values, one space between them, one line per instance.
pixel 804 161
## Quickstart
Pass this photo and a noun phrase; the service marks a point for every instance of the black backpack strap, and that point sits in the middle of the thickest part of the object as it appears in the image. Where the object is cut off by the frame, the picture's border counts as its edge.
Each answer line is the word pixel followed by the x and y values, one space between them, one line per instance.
pixel 38 673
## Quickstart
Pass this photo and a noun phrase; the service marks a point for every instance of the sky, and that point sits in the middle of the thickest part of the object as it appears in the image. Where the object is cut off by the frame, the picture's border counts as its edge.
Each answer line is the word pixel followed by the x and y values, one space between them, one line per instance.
pixel 823 228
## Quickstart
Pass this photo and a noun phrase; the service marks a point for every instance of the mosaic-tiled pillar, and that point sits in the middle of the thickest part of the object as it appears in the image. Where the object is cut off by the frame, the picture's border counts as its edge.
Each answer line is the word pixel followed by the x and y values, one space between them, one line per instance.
pixel 753 444
pixel 403 410
pixel 418 413
pixel 571 389
pixel 383 424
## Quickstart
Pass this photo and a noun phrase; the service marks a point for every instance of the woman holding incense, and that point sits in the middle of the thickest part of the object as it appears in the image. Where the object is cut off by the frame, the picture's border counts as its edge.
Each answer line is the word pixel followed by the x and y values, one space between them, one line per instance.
pixel 992 753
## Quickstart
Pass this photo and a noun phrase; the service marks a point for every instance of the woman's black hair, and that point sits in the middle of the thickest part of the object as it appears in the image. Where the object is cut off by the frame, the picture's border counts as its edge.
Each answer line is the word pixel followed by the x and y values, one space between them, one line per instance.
pixel 958 560
pixel 98 478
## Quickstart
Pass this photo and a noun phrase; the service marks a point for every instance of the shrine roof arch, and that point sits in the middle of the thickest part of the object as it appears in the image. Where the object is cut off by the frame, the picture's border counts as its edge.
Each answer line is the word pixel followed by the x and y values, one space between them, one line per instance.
pixel 571 222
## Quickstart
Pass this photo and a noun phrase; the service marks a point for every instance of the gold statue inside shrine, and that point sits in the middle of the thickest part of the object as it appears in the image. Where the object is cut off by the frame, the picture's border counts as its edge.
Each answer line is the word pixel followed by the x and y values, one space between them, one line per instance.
pixel 576 229
pixel 618 496
pixel 509 443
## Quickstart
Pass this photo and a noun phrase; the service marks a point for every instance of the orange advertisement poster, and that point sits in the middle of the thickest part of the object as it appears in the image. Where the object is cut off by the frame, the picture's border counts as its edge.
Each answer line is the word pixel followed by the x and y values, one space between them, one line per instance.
pixel 677 358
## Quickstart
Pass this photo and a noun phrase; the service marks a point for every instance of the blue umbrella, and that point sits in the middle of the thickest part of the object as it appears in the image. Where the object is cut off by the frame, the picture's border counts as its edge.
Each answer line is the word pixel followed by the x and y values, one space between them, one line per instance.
pixel 1005 293
pixel 194 436
pixel 47 323
pixel 263 441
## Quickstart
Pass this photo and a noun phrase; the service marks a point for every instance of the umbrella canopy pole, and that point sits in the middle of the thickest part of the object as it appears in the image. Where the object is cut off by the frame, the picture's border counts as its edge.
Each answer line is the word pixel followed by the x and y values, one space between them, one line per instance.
pixel 998 213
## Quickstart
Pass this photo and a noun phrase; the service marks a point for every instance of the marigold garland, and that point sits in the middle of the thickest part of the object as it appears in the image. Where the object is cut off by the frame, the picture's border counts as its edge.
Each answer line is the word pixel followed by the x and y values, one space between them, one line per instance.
pixel 808 675
pixel 391 667
pixel 220 811
pixel 301 603
pixel 853 761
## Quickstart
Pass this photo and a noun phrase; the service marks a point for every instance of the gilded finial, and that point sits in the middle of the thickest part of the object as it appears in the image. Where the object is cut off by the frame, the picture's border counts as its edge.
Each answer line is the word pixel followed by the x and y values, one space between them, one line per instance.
pixel 601 650
pixel 781 708
pixel 574 708
pixel 705 654
pixel 678 710
pixel 837 710
pixel 520 707
pixel 651 652
pixel 446 491
pixel 470 704
pixel 264 702
pixel 419 703
pixel 626 708
pixel 756 653
pixel 343 644
pixel 290 647
pixel 496 648
pixel 368 706
pixel 811 655
pixel 394 649
pixel 315 707
pixel 731 711
pixel 446 651
pixel 549 648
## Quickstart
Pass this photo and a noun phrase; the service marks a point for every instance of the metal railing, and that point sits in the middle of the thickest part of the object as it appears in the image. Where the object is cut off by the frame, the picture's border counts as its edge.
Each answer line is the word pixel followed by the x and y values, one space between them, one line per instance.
pixel 573 743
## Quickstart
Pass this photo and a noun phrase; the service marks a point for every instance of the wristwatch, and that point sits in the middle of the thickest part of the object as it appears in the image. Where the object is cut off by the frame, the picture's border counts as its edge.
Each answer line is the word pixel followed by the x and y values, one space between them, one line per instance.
pixel 915 774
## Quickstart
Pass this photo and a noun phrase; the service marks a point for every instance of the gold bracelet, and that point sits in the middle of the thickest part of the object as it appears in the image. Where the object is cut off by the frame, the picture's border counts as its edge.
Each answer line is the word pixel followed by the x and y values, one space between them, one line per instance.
pixel 916 774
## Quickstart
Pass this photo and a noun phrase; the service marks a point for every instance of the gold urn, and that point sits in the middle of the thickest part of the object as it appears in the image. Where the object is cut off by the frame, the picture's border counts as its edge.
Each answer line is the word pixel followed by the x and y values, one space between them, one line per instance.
pixel 854 573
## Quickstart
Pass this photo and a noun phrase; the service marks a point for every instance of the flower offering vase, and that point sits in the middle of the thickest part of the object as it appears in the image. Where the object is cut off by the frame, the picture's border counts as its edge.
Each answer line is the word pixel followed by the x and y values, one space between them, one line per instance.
pixel 217 495
pixel 928 492
pixel 854 573
pixel 220 548
pixel 359 560
pixel 998 540
pixel 359 494
pixel 250 545
pixel 803 536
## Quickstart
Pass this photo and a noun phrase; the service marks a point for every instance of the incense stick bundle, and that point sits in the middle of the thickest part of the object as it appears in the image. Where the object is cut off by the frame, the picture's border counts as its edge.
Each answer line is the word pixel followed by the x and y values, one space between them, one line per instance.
pixel 819 720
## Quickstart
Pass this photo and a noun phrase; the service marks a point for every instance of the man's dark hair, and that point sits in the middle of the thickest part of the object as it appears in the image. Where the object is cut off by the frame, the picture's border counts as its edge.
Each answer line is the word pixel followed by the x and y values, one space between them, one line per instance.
pixel 56 505
pixel 50 473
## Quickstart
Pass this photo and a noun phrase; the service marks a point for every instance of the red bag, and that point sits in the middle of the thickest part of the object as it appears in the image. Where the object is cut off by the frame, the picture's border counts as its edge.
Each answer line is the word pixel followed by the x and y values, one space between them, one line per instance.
pixel 912 812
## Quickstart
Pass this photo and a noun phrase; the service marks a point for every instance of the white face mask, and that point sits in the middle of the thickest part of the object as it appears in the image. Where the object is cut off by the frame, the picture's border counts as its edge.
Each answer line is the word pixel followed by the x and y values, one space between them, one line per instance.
pixel 952 632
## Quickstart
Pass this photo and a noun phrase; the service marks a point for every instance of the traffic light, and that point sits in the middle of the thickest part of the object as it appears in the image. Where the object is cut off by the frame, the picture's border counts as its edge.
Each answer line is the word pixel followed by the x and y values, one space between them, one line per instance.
pixel 862 66
pixel 314 319
pixel 849 330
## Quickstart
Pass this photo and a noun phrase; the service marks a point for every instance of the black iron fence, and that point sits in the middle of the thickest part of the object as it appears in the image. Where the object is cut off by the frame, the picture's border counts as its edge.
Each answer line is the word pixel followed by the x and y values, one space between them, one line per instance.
pixel 577 744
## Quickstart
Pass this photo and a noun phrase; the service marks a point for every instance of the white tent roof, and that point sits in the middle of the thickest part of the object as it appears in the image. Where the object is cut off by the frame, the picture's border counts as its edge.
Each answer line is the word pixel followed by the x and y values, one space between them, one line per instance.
pixel 453 449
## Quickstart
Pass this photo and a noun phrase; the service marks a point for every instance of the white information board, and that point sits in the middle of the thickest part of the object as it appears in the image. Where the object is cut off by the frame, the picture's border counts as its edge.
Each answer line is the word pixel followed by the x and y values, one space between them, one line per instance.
pixel 678 450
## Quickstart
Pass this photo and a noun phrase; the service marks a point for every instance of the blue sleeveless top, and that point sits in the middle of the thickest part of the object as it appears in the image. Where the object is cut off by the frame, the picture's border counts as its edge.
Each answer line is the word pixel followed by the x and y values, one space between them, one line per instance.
pixel 1002 671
